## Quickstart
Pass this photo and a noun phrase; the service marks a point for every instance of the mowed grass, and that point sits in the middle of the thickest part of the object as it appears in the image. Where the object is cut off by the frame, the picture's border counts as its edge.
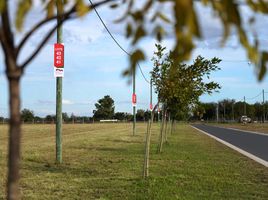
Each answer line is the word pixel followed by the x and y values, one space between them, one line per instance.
pixel 104 161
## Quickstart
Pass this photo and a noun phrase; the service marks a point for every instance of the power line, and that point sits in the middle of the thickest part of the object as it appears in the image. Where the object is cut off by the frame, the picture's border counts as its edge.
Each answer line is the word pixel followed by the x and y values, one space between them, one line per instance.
pixel 254 97
pixel 143 74
pixel 118 44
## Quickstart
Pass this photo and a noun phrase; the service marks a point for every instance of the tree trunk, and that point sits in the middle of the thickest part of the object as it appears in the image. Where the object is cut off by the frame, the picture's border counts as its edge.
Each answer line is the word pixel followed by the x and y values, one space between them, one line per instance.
pixel 161 136
pixel 166 127
pixel 14 138
pixel 172 126
pixel 147 150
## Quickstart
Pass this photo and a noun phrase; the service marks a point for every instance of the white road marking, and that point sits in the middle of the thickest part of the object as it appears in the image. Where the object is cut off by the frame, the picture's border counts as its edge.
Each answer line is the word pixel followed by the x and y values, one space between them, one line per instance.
pixel 245 153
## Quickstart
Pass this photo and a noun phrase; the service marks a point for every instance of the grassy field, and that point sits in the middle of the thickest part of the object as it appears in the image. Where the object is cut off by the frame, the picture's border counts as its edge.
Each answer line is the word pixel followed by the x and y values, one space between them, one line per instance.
pixel 103 161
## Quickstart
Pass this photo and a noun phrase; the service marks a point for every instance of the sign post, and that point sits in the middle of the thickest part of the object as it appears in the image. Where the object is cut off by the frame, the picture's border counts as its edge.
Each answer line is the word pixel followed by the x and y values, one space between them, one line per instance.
pixel 58 60
pixel 58 73
pixel 134 101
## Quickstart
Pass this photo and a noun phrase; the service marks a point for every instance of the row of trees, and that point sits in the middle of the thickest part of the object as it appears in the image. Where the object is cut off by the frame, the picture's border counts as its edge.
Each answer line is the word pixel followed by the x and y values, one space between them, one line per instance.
pixel 226 109
pixel 230 110
pixel 178 87
pixel 104 110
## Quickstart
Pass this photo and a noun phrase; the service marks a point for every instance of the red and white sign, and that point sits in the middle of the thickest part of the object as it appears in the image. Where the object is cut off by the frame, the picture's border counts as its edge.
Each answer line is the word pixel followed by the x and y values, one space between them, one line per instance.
pixel 134 99
pixel 59 55
pixel 58 72
pixel 151 106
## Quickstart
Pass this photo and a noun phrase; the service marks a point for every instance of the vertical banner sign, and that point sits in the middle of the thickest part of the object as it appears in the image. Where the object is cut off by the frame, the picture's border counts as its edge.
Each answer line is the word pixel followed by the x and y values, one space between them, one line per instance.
pixel 151 106
pixel 58 60
pixel 134 99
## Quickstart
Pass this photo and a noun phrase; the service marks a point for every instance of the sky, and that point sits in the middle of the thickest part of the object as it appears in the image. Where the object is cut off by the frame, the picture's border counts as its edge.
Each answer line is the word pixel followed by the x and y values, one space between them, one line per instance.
pixel 94 64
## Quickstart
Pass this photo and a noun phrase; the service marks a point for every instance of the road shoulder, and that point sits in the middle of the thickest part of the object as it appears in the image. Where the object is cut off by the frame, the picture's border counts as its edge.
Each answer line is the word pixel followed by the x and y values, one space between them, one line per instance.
pixel 245 153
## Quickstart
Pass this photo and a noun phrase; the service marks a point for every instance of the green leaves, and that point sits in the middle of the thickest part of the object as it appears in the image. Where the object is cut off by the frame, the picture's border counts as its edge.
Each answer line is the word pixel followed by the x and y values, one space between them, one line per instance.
pixel 135 58
pixel 50 8
pixel 182 20
pixel 180 85
pixel 23 8
pixel 2 5
pixel 81 8
pixel 263 65
pixel 140 33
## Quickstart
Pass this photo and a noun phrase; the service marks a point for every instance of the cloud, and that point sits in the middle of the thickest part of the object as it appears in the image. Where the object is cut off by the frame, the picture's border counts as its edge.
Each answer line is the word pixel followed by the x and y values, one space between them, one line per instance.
pixel 67 102
pixel 45 102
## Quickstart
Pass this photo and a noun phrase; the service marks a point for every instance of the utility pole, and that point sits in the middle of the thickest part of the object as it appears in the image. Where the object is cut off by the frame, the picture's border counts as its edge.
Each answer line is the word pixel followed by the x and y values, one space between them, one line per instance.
pixel 233 110
pixel 134 101
pixel 59 90
pixel 263 119
pixel 245 109
pixel 217 112
pixel 223 111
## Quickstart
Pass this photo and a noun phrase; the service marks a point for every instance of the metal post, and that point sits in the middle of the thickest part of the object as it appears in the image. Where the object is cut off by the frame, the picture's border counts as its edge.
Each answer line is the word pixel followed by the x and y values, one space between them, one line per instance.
pixel 134 106
pixel 59 92
pixel 245 109
pixel 263 119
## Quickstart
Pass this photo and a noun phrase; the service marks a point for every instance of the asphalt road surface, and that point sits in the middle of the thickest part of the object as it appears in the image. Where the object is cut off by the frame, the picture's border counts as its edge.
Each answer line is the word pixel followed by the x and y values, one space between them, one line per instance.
pixel 249 142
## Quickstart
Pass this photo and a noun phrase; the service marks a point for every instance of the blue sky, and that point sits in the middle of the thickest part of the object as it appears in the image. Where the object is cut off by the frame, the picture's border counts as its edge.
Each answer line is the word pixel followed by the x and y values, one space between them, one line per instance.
pixel 94 65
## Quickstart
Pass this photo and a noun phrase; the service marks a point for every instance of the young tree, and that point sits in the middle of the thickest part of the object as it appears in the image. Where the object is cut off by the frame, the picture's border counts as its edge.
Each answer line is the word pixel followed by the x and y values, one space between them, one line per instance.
pixel 179 85
pixel 104 108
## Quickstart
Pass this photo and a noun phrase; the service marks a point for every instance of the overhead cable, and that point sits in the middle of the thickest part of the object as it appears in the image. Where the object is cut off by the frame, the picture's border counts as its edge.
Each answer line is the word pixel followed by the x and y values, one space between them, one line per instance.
pixel 118 44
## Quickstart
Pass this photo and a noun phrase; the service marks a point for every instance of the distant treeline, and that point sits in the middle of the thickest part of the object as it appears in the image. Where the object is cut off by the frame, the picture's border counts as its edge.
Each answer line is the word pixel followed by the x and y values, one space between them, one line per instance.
pixel 230 110
pixel 28 116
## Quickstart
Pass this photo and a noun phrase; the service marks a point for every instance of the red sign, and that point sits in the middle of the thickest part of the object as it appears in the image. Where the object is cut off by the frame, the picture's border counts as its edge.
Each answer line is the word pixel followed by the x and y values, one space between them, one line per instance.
pixel 58 55
pixel 151 106
pixel 134 99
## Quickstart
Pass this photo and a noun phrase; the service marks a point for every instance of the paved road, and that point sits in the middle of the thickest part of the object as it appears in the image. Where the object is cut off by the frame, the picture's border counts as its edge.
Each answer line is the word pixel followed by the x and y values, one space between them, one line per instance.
pixel 249 142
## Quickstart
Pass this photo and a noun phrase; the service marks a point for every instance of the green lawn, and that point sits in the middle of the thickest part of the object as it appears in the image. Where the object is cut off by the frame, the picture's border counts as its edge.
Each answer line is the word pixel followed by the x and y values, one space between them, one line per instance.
pixel 104 161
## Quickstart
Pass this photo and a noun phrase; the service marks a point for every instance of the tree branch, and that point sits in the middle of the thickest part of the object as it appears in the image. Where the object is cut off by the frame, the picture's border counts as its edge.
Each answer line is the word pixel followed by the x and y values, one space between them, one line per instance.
pixel 40 46
pixel 1 36
pixel 63 16
pixel 6 33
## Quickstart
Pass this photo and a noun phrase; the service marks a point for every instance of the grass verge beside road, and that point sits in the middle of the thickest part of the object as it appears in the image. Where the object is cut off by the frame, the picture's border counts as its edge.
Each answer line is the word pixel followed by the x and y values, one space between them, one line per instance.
pixel 255 127
pixel 104 161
